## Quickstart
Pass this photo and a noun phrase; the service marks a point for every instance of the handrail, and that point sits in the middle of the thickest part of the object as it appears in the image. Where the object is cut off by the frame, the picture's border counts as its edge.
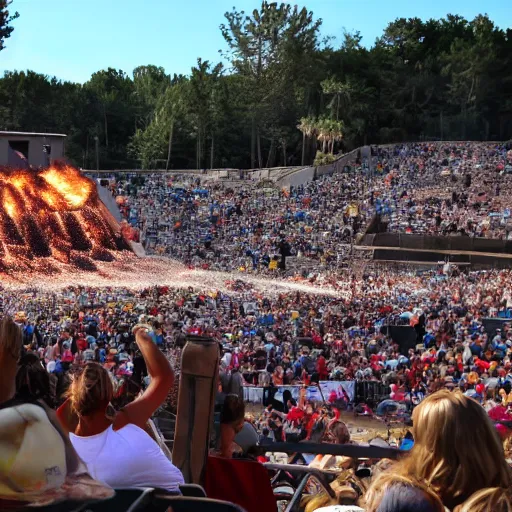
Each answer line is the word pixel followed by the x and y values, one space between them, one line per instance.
pixel 348 450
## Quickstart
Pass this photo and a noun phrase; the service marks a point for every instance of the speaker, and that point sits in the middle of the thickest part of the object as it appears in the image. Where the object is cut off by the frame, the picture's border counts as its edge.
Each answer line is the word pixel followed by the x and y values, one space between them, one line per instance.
pixel 404 335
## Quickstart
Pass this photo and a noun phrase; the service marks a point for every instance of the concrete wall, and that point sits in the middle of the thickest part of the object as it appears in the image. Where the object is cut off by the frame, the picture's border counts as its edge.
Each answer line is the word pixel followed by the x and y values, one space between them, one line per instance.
pixel 302 176
pixel 297 178
pixel 36 156
pixel 109 201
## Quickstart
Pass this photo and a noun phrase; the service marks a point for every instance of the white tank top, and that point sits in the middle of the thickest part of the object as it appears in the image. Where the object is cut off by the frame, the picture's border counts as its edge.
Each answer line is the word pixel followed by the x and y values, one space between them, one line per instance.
pixel 128 457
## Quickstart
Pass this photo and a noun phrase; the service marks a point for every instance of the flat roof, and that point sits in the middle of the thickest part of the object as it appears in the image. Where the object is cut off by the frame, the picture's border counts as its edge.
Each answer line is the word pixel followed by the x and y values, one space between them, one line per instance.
pixel 33 134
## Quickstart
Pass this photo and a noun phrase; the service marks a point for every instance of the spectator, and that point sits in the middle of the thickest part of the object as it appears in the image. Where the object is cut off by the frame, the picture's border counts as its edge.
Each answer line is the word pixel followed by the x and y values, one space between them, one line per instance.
pixel 232 421
pixel 236 384
pixel 116 450
pixel 33 382
pixel 446 426
pixel 39 464
pixel 10 353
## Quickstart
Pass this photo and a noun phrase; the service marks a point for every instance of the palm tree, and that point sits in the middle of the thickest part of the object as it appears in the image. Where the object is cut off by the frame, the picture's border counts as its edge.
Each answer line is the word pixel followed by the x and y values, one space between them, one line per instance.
pixel 336 133
pixel 308 128
pixel 322 131
pixel 329 132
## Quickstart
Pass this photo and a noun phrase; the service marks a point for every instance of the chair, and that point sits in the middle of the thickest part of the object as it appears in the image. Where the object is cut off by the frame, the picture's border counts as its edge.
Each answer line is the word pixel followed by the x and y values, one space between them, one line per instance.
pixel 125 500
pixel 243 482
pixel 192 504
pixel 192 491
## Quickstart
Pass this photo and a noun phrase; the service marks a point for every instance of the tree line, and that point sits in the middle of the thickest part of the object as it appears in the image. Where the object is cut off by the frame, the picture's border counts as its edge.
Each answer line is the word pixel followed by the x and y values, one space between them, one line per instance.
pixel 284 95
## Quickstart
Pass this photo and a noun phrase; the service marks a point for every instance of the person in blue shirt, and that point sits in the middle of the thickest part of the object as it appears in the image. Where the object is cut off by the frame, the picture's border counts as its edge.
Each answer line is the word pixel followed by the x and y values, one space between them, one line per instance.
pixel 269 347
pixel 476 346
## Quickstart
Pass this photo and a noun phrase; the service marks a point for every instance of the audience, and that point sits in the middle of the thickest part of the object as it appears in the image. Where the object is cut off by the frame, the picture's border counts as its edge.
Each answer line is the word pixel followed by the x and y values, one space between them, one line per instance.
pixel 105 356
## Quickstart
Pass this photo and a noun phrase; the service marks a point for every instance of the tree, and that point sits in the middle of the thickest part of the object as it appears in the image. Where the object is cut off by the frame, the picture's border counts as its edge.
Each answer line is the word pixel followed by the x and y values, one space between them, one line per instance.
pixel 340 92
pixel 329 131
pixel 150 84
pixel 171 109
pixel 115 111
pixel 287 94
pixel 266 48
pixel 5 22
pixel 201 96
pixel 308 128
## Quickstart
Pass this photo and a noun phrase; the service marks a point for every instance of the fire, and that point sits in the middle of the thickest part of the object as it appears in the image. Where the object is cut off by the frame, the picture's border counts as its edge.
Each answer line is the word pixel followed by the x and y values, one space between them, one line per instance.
pixel 74 188
pixel 53 213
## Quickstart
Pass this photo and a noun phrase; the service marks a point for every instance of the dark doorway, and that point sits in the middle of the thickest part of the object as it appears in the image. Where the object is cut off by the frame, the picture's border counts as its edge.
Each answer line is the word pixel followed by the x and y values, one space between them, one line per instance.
pixel 18 153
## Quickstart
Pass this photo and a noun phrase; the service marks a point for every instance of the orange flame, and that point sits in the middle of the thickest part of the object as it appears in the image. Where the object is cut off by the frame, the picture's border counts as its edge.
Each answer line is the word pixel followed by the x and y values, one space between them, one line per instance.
pixel 52 212
pixel 70 185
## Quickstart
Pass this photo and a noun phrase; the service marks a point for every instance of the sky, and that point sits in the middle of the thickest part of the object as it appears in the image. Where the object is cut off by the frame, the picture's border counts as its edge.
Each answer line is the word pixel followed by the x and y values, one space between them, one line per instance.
pixel 71 39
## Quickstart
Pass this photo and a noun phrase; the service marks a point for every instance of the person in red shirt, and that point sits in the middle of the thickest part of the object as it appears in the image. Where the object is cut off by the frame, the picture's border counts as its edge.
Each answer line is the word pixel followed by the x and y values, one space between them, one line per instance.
pixel 481 364
pixel 82 344
pixel 321 368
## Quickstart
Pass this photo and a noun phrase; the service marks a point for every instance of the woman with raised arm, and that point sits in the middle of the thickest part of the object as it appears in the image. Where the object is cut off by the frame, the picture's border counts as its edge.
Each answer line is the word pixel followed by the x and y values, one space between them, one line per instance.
pixel 117 450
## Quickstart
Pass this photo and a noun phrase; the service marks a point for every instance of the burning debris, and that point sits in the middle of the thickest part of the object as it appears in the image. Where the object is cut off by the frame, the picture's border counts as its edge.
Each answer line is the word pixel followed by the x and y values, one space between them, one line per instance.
pixel 55 232
pixel 53 213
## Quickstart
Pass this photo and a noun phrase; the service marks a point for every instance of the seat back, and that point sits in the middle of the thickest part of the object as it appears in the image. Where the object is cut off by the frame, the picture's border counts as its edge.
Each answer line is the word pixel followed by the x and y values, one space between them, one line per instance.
pixel 192 491
pixel 243 482
pixel 192 504
pixel 154 432
pixel 125 500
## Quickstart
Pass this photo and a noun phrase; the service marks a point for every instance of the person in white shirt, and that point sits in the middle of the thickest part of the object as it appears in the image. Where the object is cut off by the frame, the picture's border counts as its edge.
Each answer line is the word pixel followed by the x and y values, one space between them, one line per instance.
pixel 118 451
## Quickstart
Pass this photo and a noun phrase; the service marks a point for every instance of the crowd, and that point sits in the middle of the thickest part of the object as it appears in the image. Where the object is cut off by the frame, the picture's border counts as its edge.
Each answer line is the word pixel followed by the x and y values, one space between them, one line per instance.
pixel 242 228
pixel 444 189
pixel 106 358
pixel 293 338
pixel 429 188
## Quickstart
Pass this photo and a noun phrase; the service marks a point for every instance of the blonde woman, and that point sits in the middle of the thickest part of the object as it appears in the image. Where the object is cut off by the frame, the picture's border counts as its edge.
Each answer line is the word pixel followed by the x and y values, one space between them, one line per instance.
pixel 118 451
pixel 457 460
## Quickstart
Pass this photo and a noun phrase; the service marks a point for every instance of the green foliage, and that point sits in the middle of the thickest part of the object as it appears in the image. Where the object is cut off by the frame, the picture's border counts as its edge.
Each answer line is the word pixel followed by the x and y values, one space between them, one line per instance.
pixel 287 98
pixel 5 22
pixel 323 158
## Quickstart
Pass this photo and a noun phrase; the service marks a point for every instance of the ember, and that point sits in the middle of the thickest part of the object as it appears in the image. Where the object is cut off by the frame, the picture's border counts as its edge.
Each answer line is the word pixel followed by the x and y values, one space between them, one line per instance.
pixel 53 213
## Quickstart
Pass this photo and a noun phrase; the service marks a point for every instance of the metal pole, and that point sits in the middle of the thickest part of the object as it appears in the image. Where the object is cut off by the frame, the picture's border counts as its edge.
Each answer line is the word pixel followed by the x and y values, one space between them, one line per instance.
pixel 97 142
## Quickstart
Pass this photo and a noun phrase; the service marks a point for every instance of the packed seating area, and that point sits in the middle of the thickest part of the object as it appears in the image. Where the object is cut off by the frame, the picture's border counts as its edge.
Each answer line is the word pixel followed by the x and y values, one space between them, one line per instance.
pixel 208 225
pixel 320 400
pixel 263 344
pixel 445 188
pixel 430 188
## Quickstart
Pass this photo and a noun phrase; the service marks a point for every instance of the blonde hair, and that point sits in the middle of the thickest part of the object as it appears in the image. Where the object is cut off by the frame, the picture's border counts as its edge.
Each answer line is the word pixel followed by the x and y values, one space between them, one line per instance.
pixel 457 452
pixel 10 339
pixel 91 390
pixel 347 488
pixel 495 499
pixel 320 500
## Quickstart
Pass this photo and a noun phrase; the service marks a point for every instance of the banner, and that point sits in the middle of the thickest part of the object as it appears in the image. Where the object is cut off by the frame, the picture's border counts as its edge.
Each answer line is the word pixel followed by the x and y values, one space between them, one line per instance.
pixel 331 391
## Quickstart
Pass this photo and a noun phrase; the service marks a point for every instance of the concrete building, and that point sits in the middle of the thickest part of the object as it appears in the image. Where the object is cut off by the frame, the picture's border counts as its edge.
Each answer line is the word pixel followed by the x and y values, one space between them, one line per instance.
pixel 24 149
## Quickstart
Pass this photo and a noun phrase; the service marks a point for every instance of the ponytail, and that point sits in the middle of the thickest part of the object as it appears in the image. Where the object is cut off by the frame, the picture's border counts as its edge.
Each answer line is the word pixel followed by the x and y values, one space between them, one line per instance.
pixel 91 391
